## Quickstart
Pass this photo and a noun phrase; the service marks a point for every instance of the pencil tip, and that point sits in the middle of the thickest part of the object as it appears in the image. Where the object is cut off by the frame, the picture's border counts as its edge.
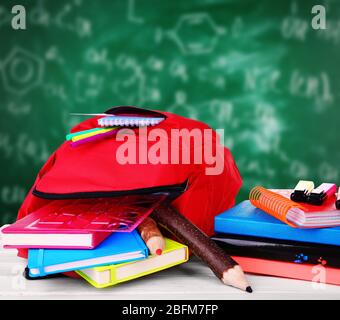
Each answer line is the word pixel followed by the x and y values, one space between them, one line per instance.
pixel 249 289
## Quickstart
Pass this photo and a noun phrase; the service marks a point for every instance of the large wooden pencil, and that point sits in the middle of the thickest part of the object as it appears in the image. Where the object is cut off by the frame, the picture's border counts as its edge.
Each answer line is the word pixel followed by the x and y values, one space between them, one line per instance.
pixel 223 266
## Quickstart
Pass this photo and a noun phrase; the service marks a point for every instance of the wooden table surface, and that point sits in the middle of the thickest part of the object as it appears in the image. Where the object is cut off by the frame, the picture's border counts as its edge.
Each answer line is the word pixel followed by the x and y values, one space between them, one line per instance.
pixel 192 280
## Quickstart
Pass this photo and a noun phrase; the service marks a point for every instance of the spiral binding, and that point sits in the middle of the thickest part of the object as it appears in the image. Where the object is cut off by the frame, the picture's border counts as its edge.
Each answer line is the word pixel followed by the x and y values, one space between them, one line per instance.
pixel 272 203
pixel 126 121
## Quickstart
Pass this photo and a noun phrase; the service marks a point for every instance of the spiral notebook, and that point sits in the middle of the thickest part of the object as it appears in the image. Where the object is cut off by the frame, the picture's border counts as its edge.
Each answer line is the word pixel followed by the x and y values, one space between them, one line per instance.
pixel 278 204
pixel 245 219
pixel 128 121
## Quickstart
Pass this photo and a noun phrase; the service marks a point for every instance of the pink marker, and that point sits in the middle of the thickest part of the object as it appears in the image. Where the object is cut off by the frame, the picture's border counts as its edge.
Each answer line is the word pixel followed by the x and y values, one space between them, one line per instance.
pixel 321 193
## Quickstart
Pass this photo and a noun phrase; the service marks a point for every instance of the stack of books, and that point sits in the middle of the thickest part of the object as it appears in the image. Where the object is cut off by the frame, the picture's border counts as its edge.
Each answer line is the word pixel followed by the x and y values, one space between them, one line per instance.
pixel 96 238
pixel 272 235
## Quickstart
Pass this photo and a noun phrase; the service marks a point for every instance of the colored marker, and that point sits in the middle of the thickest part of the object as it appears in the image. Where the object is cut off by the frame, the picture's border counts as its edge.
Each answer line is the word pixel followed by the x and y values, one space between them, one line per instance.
pixel 74 134
pixel 321 193
pixel 337 202
pixel 94 138
pixel 301 191
pixel 90 134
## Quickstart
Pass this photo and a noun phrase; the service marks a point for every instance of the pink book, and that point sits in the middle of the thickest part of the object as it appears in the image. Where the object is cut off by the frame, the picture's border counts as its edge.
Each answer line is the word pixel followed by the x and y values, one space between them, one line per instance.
pixel 316 273
pixel 39 230
pixel 79 223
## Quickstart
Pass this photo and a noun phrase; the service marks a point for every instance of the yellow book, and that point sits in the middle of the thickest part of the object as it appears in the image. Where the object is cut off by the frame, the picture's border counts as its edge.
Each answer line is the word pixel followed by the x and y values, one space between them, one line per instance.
pixel 175 253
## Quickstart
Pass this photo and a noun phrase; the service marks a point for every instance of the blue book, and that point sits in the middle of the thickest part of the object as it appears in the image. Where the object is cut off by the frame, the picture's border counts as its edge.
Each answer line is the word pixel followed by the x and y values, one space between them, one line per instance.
pixel 245 219
pixel 117 248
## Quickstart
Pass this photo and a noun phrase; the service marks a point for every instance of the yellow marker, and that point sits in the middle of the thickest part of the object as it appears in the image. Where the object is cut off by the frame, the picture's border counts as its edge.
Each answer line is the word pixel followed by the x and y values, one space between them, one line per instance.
pixel 90 134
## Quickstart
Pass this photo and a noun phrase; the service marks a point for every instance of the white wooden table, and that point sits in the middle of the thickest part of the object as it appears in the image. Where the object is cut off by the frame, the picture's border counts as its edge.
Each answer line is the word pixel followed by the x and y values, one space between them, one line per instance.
pixel 192 280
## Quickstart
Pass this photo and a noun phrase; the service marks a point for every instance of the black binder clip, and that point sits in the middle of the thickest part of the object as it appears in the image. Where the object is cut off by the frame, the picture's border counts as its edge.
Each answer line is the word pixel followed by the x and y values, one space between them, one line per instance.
pixel 301 191
pixel 317 198
pixel 337 202
pixel 321 193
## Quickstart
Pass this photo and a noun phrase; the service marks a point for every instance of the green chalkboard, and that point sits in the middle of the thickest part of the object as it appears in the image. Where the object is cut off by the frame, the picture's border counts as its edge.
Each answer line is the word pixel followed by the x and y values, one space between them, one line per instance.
pixel 255 68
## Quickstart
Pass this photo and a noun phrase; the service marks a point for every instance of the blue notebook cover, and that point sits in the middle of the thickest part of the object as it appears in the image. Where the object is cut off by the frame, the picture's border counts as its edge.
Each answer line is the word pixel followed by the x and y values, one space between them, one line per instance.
pixel 117 248
pixel 245 219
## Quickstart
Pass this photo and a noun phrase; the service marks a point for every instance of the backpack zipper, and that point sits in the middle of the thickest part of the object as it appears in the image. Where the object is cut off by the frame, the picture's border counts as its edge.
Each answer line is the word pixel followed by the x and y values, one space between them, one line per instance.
pixel 173 190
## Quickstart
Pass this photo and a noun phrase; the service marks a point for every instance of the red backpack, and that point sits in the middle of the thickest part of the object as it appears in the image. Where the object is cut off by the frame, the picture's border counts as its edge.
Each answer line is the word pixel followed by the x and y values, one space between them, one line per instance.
pixel 91 170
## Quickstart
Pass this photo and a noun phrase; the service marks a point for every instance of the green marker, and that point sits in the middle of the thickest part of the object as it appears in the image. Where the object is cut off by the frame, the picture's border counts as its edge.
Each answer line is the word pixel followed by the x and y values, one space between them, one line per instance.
pixel 71 135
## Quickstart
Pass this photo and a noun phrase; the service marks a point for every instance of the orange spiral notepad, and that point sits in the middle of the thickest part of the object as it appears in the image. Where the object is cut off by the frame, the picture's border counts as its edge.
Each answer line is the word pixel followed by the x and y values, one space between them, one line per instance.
pixel 292 213
pixel 273 203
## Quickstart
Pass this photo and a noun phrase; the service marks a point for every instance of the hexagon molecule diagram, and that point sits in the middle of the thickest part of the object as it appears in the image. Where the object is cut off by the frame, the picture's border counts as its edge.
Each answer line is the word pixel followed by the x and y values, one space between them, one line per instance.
pixel 196 33
pixel 21 71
